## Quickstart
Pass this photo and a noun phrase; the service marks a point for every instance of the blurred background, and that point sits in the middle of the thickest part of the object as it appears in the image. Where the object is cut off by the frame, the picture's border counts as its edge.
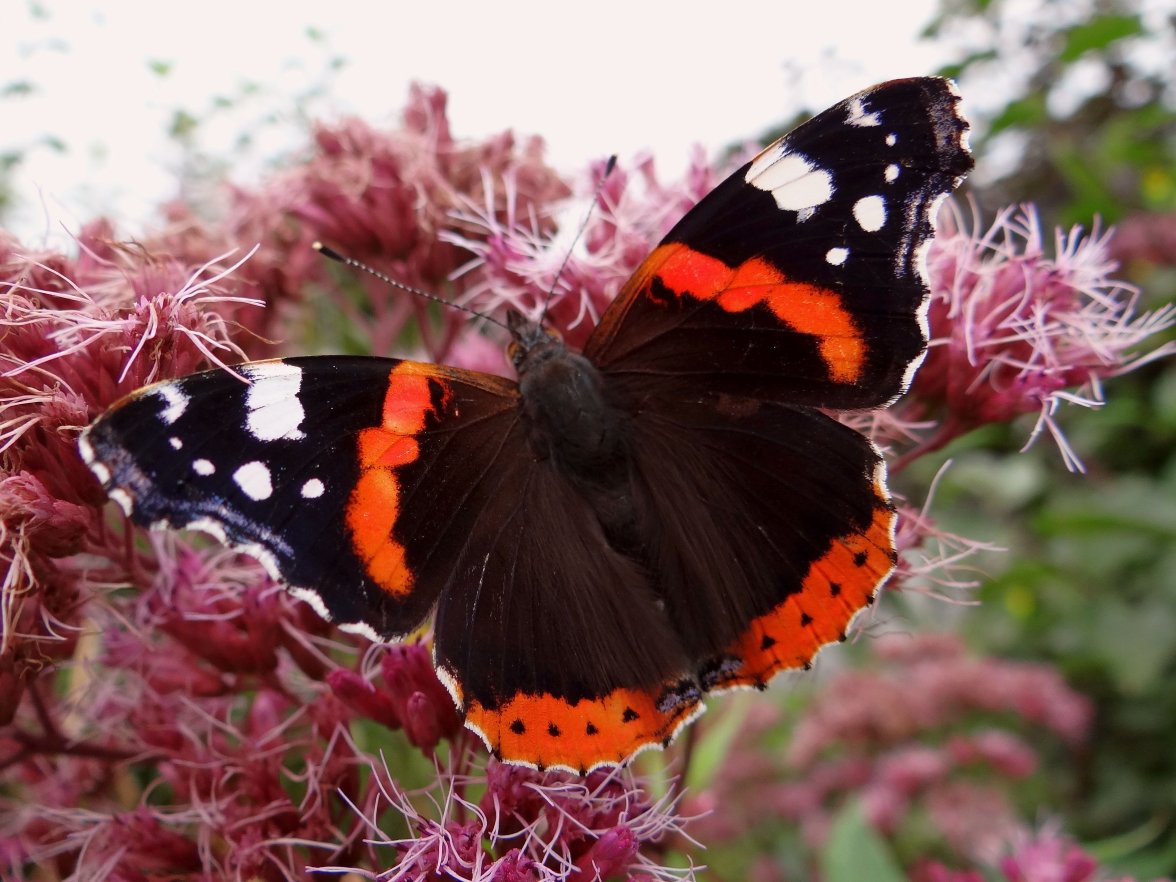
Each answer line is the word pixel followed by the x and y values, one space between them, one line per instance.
pixel 112 109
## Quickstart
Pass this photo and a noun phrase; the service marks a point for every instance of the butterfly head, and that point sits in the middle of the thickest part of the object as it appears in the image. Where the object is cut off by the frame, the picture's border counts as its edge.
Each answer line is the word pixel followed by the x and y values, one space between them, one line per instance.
pixel 530 342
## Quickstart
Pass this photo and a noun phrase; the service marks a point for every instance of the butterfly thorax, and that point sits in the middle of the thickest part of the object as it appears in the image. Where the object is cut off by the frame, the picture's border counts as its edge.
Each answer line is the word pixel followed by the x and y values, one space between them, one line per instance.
pixel 570 418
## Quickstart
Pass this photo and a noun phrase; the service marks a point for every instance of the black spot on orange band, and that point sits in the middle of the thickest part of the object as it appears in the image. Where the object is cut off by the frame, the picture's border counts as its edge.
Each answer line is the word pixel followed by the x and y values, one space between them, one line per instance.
pixel 581 735
pixel 837 586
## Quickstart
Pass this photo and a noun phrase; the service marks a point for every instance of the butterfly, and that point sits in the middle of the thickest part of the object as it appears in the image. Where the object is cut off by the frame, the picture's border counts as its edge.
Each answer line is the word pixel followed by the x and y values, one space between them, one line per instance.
pixel 619 531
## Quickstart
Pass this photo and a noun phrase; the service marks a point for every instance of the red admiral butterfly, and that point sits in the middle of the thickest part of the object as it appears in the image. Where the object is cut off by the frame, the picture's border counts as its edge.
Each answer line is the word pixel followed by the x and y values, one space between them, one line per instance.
pixel 668 513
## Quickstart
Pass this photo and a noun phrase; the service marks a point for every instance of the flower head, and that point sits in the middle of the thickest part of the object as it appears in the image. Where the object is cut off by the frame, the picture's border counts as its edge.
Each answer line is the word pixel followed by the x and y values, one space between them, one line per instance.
pixel 926 730
pixel 522 265
pixel 527 827
pixel 1015 330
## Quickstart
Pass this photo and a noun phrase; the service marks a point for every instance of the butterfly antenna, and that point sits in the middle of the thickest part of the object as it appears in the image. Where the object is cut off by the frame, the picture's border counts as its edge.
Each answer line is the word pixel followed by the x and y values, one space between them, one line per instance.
pixel 608 167
pixel 331 254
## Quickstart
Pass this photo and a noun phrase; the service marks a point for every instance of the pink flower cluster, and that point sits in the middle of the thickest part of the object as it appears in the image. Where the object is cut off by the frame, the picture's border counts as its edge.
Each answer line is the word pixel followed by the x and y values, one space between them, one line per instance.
pixel 924 730
pixel 1039 856
pixel 526 827
pixel 1016 330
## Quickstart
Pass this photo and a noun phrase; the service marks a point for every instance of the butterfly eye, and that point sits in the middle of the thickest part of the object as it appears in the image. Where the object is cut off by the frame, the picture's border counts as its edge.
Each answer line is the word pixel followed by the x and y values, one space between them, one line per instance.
pixel 515 353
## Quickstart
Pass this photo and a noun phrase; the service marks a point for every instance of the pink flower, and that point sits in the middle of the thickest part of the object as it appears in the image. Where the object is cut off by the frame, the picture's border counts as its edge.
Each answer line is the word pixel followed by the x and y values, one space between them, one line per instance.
pixel 527 826
pixel 609 855
pixel 900 736
pixel 934 871
pixel 1048 858
pixel 388 198
pixel 1017 331
pixel 1148 238
pixel 521 266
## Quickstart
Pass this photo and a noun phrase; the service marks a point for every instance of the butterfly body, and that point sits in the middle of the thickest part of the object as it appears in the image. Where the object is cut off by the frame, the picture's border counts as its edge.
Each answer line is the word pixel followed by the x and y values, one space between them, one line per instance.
pixel 571 419
pixel 667 513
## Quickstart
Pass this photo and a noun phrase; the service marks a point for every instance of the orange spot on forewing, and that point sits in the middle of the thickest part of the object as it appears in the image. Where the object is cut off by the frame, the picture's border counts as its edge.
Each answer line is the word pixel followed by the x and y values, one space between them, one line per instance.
pixel 808 309
pixel 685 271
pixel 375 501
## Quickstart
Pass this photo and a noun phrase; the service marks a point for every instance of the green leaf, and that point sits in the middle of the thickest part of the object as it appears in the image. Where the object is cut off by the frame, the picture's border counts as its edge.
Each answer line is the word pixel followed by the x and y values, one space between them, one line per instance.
pixel 855 852
pixel 956 69
pixel 17 89
pixel 1025 112
pixel 1098 34
pixel 711 751
pixel 183 124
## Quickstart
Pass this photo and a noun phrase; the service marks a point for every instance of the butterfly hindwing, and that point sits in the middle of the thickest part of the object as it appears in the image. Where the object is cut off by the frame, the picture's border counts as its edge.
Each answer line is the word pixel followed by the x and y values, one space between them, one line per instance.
pixel 554 641
pixel 768 527
pixel 799 278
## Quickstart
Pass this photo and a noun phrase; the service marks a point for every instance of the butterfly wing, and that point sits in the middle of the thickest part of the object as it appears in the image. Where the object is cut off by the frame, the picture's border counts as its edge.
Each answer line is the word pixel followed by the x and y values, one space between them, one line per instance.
pixel 768 528
pixel 378 489
pixel 799 278
pixel 295 465
pixel 796 284
pixel 553 641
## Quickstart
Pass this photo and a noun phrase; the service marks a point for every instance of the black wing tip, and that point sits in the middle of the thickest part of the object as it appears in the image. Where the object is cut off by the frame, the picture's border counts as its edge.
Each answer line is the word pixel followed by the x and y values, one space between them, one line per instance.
pixel 942 99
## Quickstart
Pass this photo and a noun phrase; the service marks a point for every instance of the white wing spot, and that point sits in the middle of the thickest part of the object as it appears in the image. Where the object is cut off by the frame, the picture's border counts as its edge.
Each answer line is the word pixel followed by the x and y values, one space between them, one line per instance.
pixel 794 182
pixel 175 442
pixel 272 404
pixel 859 116
pixel 177 403
pixel 891 173
pixel 836 256
pixel 313 489
pixel 891 139
pixel 870 213
pixel 203 467
pixel 254 479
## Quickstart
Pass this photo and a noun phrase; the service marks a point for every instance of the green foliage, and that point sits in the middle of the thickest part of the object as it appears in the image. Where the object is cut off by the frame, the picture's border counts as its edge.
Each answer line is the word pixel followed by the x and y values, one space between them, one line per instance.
pixel 854 851
pixel 1097 34
pixel 1088 583
pixel 1093 126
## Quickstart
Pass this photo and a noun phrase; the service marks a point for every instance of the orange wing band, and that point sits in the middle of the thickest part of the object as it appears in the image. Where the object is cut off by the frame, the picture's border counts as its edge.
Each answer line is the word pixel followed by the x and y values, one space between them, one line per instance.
pixel 838 586
pixel 375 502
pixel 550 732
pixel 809 309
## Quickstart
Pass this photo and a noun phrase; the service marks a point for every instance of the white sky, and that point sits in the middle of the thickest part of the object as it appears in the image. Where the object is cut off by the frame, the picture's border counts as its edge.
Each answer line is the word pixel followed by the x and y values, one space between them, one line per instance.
pixel 610 76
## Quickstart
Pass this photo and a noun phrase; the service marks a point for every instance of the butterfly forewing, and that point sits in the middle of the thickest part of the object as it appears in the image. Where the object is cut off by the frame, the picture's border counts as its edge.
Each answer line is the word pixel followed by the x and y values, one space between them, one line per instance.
pixel 294 461
pixel 799 278
pixel 374 487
